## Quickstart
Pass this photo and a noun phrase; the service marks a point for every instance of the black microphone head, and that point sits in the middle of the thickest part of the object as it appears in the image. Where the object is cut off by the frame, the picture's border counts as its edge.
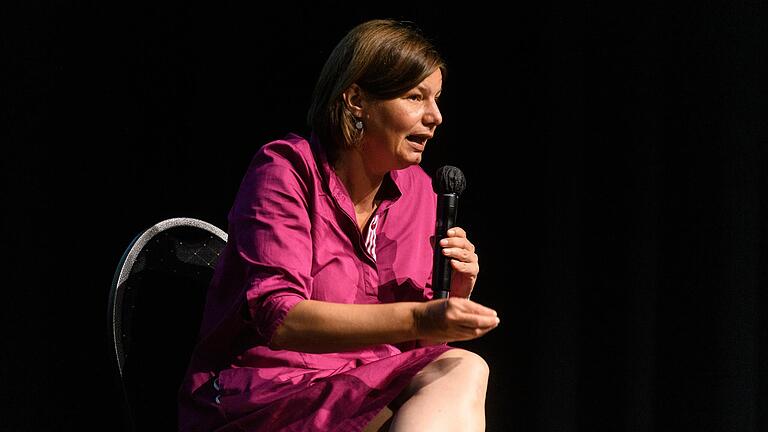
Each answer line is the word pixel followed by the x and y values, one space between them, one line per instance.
pixel 449 179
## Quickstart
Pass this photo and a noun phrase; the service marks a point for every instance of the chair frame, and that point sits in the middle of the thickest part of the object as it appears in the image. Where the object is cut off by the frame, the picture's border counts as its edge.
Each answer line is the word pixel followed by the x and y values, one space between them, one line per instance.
pixel 126 264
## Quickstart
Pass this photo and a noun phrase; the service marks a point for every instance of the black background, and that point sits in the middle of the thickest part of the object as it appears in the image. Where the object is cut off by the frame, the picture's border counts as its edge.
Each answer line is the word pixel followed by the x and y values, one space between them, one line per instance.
pixel 615 158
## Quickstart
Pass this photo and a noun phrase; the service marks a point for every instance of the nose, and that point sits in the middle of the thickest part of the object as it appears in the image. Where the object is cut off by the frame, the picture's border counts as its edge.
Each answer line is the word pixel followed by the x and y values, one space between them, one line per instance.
pixel 433 117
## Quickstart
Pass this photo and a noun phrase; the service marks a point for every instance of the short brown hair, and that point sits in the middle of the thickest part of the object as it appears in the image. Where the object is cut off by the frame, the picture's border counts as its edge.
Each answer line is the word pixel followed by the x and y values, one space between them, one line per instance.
pixel 385 58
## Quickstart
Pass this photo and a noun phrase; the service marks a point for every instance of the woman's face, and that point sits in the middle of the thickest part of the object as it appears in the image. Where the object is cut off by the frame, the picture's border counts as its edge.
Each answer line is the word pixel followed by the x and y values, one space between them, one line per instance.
pixel 396 130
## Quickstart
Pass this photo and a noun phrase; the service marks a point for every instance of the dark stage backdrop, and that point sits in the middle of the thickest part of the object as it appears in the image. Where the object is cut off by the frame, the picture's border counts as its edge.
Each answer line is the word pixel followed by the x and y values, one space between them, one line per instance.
pixel 615 158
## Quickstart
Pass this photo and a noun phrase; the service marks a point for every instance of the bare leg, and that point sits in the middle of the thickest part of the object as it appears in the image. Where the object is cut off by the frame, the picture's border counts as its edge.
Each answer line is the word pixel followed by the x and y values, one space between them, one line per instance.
pixel 447 395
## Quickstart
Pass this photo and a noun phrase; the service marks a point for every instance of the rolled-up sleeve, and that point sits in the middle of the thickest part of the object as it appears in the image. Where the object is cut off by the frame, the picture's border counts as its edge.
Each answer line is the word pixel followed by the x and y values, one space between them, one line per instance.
pixel 270 226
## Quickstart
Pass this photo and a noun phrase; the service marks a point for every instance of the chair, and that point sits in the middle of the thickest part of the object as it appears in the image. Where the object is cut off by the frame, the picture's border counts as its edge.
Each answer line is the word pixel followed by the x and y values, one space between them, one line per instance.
pixel 155 308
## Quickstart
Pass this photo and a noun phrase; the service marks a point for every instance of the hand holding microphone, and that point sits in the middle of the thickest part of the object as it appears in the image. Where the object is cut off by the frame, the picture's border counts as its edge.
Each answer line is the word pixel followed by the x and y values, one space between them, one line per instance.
pixel 452 251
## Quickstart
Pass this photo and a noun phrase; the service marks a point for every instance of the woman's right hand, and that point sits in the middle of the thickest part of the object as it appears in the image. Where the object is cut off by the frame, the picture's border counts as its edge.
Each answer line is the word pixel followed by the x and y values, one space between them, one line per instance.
pixel 453 319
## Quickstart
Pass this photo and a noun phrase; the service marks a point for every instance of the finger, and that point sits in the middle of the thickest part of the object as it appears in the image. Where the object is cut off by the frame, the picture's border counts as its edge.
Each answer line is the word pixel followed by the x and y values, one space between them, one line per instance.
pixel 477 320
pixel 460 254
pixel 478 328
pixel 468 269
pixel 457 232
pixel 483 332
pixel 482 321
pixel 469 334
pixel 470 307
pixel 457 242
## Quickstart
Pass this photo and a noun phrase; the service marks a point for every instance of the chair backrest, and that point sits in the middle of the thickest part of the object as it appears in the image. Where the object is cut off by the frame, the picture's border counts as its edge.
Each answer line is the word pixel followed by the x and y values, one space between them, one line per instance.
pixel 155 308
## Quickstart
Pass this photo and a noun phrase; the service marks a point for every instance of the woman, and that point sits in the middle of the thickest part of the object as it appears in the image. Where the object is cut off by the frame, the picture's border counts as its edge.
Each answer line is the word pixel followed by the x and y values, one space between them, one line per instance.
pixel 319 314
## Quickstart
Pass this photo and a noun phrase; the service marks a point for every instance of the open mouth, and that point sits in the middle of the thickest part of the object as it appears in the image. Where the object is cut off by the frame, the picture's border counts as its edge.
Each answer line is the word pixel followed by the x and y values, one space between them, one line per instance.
pixel 419 139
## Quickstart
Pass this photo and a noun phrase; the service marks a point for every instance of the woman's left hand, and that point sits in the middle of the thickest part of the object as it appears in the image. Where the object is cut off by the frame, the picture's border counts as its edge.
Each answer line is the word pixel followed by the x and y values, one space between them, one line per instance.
pixel 463 261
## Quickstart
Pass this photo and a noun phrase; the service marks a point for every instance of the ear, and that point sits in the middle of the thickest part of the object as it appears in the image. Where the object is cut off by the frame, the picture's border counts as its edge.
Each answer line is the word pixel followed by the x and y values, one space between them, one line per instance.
pixel 354 100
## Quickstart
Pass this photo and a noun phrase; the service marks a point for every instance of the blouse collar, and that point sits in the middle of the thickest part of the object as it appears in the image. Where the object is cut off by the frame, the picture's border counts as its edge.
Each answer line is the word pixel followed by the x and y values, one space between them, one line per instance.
pixel 391 190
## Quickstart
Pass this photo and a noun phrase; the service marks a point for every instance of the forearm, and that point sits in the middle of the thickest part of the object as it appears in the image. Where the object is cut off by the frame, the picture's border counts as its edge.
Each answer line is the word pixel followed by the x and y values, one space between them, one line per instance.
pixel 316 326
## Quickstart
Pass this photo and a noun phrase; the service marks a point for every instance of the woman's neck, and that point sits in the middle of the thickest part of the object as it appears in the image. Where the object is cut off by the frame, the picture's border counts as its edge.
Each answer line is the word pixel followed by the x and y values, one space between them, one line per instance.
pixel 361 182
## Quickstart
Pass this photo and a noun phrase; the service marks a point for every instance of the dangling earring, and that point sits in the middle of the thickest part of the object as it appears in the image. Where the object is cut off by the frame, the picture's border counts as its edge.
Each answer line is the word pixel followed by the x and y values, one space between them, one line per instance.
pixel 359 125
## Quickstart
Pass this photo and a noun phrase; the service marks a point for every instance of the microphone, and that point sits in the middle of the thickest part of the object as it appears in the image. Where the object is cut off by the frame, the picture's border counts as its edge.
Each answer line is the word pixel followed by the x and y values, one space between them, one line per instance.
pixel 448 184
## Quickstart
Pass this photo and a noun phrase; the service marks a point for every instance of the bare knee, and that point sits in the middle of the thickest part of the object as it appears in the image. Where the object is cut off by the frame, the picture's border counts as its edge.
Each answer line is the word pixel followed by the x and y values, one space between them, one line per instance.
pixel 456 368
pixel 471 364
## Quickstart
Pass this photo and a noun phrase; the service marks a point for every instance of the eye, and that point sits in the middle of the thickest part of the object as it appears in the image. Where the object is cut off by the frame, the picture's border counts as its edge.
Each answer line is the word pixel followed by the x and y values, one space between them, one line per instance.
pixel 415 97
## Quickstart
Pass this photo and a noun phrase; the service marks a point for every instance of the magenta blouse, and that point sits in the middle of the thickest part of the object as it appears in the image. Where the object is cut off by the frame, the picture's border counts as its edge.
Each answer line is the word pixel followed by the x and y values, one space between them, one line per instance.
pixel 293 236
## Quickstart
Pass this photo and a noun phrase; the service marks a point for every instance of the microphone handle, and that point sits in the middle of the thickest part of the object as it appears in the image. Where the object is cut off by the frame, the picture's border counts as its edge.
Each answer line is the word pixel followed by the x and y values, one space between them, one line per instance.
pixel 447 206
